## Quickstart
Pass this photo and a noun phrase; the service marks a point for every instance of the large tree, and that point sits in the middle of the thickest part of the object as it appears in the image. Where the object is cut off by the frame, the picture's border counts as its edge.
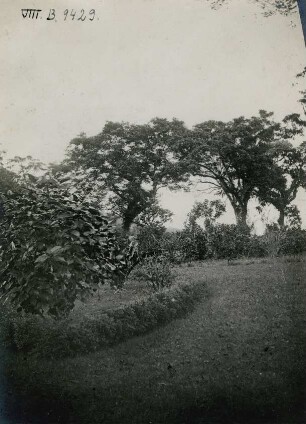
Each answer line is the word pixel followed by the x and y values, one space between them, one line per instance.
pixel 233 158
pixel 289 174
pixel 131 161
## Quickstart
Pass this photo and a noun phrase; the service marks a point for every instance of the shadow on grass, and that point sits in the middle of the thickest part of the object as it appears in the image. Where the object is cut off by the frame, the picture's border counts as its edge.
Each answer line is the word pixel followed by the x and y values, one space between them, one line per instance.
pixel 115 405
pixel 234 408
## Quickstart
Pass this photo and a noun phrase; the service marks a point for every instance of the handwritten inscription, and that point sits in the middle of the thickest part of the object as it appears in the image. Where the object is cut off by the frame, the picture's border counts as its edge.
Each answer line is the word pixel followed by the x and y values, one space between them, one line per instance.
pixel 30 13
pixel 52 15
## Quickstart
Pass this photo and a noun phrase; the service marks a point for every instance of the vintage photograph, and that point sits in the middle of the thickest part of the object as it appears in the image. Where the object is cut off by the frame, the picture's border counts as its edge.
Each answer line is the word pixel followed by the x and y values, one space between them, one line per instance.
pixel 152 212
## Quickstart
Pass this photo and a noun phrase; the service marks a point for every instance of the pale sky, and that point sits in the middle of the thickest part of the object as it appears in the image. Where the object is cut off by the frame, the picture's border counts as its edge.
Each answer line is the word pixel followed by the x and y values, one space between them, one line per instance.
pixel 139 60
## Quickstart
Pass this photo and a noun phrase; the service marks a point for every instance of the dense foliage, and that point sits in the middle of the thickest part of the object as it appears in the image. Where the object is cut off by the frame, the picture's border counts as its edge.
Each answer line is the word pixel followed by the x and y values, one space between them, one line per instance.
pixel 57 246
pixel 287 176
pixel 156 272
pixel 229 241
pixel 245 158
pixel 126 164
pixel 54 249
pixel 130 161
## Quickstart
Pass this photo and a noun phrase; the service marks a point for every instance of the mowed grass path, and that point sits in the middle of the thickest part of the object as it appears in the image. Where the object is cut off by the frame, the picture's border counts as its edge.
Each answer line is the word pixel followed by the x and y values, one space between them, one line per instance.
pixel 238 358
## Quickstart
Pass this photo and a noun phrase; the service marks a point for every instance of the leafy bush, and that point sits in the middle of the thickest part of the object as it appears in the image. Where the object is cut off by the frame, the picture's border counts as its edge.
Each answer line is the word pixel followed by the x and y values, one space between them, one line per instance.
pixel 223 241
pixel 156 272
pixel 47 338
pixel 256 247
pixel 229 241
pixel 54 249
pixel 193 243
pixel 197 243
pixel 150 240
pixel 282 241
pixel 293 242
pixel 171 247
pixel 127 256
pixel 272 241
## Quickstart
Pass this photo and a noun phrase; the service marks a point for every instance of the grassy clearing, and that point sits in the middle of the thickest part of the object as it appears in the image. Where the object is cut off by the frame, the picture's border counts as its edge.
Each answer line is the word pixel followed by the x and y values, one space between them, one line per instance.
pixel 238 358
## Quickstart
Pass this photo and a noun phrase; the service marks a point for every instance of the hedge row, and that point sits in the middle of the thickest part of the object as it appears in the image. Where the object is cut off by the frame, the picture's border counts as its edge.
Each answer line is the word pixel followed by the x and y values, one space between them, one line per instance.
pixel 46 338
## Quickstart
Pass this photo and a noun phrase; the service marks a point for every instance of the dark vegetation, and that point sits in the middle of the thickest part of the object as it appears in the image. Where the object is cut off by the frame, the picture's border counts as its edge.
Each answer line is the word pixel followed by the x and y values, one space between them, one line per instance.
pixel 69 228
pixel 238 358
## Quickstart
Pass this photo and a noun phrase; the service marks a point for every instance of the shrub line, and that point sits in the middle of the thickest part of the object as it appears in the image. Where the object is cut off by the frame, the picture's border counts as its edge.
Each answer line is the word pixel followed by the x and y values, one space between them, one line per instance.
pixel 46 338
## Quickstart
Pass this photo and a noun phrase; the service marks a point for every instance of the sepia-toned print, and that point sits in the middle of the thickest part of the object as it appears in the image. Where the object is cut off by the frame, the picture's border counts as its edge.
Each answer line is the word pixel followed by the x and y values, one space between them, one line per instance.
pixel 152 212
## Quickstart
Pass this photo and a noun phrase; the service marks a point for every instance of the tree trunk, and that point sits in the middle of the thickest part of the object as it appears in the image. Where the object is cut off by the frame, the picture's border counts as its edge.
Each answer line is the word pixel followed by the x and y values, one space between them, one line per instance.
pixel 241 215
pixel 130 214
pixel 127 222
pixel 281 218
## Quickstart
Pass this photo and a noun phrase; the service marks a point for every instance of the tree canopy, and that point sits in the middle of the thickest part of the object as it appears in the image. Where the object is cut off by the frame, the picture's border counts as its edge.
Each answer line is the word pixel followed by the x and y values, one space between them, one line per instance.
pixel 57 246
pixel 131 161
pixel 208 210
pixel 234 158
pixel 289 174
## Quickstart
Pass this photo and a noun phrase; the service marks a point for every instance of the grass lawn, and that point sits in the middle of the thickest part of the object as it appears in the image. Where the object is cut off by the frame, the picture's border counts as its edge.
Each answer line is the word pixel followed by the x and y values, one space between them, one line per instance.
pixel 238 358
